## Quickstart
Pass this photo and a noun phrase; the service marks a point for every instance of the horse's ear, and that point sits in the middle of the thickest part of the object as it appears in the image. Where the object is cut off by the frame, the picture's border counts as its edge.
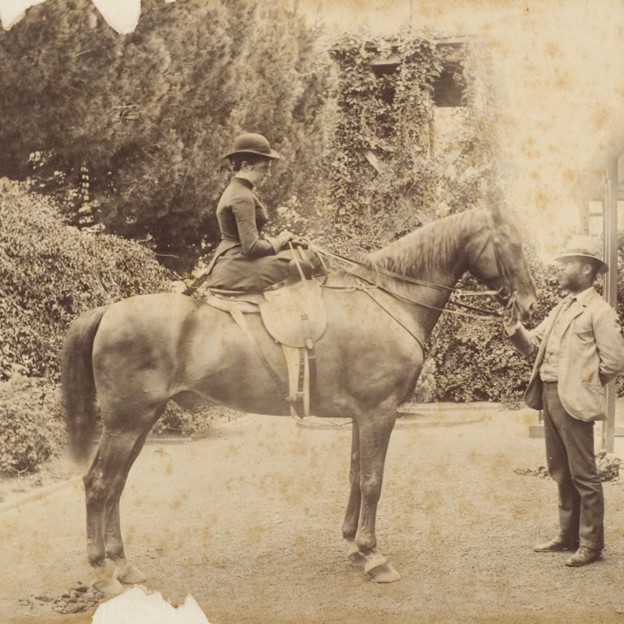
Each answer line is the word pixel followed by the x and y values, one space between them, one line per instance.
pixel 497 214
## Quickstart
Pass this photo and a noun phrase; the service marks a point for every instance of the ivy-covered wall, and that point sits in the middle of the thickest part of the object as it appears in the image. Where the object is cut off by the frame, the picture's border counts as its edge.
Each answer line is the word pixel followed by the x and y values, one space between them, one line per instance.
pixel 378 164
pixel 387 173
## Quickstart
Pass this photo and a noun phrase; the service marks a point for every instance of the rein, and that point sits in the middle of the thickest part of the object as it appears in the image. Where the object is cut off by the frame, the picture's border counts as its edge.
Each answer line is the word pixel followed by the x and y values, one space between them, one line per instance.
pixel 483 313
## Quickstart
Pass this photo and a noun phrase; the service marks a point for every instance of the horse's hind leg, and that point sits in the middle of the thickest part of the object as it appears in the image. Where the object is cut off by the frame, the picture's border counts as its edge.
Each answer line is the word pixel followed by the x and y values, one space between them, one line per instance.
pixel 124 571
pixel 103 486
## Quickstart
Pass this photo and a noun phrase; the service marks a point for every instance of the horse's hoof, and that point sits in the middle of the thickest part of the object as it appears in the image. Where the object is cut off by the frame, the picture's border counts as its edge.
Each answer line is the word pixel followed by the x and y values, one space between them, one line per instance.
pixel 104 578
pixel 109 586
pixel 380 569
pixel 385 573
pixel 373 561
pixel 354 555
pixel 130 575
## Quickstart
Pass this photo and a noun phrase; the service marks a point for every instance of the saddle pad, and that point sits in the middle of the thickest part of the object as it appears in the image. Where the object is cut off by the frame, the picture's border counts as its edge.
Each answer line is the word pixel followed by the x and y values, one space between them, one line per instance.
pixel 295 315
pixel 231 305
pixel 238 298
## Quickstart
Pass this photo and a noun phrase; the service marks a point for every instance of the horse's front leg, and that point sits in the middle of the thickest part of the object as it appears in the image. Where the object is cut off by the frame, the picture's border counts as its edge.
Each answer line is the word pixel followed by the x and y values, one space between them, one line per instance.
pixel 373 446
pixel 352 513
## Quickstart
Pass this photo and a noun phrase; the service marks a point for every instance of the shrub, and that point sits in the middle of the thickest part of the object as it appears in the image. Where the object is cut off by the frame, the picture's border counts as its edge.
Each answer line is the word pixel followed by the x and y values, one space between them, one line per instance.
pixel 31 426
pixel 191 420
pixel 50 273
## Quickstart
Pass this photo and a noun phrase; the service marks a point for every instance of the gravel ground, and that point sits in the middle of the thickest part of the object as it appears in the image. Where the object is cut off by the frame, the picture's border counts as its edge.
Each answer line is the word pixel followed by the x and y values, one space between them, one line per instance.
pixel 248 521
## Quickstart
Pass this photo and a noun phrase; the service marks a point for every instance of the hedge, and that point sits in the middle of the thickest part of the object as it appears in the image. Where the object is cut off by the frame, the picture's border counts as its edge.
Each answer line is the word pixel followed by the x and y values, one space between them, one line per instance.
pixel 31 426
pixel 50 273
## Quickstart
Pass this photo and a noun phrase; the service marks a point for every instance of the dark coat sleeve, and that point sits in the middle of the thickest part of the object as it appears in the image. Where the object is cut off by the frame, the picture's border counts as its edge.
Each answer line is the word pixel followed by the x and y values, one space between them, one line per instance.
pixel 253 245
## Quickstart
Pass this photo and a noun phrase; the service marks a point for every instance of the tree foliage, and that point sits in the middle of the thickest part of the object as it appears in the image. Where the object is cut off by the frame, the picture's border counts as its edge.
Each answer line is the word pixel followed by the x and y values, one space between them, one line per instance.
pixel 149 115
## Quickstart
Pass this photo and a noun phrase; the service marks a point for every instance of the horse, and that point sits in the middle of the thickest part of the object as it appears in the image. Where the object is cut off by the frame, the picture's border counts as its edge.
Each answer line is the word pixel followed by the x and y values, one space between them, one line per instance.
pixel 131 357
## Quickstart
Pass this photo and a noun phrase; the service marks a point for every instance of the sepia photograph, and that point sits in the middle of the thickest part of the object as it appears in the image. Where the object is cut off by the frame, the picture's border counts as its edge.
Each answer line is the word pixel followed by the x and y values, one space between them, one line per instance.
pixel 311 311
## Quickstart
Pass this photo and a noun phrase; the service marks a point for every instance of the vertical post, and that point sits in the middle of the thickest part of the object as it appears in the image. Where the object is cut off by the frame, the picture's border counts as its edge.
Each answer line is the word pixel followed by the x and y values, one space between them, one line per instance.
pixel 610 285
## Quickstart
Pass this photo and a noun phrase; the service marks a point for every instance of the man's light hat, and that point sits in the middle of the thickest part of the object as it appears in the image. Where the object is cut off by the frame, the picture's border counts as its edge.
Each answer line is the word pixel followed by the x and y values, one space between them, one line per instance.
pixel 585 247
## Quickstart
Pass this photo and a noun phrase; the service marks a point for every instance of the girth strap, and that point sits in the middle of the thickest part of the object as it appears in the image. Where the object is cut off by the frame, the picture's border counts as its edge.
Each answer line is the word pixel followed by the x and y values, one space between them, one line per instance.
pixel 298 365
pixel 310 356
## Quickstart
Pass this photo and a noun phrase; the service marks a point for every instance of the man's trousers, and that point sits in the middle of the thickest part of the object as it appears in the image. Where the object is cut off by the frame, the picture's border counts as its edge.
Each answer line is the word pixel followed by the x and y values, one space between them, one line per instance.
pixel 572 465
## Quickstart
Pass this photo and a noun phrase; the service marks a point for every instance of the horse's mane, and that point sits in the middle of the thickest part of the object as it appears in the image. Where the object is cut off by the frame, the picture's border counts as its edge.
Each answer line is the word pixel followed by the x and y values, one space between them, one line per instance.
pixel 426 249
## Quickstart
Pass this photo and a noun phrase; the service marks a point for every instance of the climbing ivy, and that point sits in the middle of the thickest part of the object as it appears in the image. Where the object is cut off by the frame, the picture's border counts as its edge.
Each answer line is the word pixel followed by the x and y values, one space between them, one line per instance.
pixel 378 162
pixel 386 176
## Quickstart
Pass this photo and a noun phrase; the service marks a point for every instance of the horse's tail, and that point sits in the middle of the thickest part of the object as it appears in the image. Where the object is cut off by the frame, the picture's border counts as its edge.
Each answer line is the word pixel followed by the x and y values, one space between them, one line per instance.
pixel 77 382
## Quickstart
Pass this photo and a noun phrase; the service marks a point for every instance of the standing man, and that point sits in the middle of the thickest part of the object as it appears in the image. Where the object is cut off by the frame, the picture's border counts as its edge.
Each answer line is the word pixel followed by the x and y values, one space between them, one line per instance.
pixel 579 349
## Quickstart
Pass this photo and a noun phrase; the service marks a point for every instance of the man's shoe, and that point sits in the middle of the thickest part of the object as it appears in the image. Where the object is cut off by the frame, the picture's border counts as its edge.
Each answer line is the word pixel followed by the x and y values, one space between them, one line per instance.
pixel 555 545
pixel 583 556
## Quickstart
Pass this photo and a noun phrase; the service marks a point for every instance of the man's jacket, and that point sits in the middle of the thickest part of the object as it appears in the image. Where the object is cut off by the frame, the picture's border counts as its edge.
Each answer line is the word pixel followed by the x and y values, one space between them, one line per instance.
pixel 591 354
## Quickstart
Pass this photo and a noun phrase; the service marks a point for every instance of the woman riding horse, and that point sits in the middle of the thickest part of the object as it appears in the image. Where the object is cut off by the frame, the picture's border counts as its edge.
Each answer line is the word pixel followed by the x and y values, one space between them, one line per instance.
pixel 244 259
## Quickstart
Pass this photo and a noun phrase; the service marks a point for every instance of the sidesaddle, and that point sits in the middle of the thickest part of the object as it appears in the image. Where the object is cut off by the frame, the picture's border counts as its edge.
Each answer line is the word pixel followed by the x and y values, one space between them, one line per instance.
pixel 294 315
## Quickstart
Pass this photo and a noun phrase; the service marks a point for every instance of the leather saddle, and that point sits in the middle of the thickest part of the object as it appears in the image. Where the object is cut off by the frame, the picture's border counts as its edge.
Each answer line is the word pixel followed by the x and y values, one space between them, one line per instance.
pixel 295 316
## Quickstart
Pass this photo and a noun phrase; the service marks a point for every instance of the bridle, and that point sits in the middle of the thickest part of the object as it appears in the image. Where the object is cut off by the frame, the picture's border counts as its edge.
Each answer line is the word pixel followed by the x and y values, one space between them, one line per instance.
pixel 505 293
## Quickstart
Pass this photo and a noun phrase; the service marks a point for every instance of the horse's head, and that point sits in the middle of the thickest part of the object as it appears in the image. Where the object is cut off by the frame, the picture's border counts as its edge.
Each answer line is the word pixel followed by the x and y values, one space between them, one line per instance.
pixel 495 257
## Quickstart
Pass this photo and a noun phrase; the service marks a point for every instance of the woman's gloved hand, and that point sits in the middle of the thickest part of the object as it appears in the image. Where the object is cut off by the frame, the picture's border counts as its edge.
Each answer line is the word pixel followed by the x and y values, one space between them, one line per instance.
pixel 295 241
pixel 283 238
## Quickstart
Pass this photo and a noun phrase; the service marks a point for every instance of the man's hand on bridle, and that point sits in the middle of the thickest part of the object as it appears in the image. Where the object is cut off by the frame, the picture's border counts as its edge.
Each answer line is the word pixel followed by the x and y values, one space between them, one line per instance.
pixel 510 319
